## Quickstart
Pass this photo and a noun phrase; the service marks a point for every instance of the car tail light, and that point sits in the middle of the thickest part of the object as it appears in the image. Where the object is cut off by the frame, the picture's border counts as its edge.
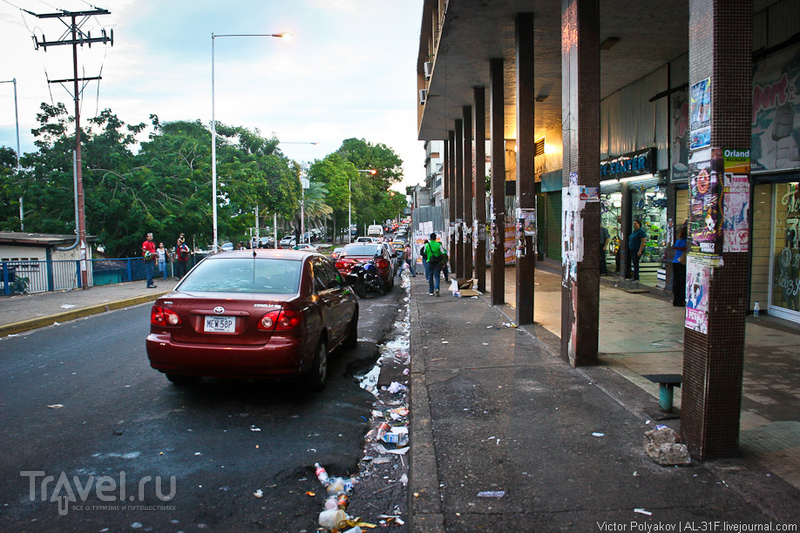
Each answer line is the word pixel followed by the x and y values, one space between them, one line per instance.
pixel 280 320
pixel 382 263
pixel 164 316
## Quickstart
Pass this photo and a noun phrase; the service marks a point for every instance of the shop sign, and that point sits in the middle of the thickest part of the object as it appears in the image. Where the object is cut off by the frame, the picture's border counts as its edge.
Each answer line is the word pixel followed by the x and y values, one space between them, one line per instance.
pixel 705 204
pixel 700 114
pixel 628 165
pixel 775 140
pixel 736 201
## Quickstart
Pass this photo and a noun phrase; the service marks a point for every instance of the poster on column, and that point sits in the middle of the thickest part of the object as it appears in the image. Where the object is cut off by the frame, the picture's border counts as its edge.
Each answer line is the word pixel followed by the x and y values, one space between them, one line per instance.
pixel 700 114
pixel 698 281
pixel 509 243
pixel 705 204
pixel 736 200
pixel 571 230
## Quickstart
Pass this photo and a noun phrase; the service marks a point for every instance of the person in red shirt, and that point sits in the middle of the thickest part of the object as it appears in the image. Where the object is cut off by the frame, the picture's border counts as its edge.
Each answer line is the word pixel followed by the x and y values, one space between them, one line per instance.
pixel 149 256
pixel 181 257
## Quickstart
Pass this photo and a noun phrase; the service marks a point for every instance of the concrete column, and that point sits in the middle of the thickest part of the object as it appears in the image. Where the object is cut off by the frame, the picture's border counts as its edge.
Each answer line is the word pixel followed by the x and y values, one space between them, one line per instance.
pixel 468 192
pixel 458 256
pixel 496 133
pixel 580 296
pixel 451 171
pixel 479 130
pixel 526 180
pixel 720 47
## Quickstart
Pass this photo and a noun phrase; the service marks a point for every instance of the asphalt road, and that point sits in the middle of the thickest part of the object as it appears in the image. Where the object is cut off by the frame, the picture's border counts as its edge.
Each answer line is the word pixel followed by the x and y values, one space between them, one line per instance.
pixel 83 415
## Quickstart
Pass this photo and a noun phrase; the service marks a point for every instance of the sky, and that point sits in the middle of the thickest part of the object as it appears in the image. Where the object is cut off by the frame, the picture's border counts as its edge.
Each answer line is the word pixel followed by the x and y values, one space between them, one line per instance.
pixel 348 71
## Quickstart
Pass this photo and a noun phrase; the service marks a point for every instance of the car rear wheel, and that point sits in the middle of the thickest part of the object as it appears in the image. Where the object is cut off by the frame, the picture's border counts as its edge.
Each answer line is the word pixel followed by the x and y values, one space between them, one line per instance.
pixel 315 380
pixel 180 379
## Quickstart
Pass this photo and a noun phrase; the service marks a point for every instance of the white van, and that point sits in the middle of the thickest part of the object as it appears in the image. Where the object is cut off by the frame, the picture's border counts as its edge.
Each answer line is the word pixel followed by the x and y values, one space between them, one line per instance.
pixel 375 230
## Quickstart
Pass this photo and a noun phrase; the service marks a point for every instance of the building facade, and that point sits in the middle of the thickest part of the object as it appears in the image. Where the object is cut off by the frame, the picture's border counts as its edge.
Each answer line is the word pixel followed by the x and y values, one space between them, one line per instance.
pixel 665 113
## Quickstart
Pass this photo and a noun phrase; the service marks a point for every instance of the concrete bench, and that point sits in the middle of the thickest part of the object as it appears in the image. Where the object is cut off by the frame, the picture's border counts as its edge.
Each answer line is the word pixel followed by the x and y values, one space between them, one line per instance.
pixel 666 384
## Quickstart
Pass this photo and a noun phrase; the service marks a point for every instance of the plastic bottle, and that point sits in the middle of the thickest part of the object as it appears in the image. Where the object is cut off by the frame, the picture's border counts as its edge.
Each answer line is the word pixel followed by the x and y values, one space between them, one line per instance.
pixel 756 309
pixel 331 503
pixel 322 475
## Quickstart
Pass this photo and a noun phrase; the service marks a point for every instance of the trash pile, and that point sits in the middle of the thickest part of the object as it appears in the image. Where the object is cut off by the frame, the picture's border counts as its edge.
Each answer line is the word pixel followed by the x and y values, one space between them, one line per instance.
pixel 334 517
pixel 384 466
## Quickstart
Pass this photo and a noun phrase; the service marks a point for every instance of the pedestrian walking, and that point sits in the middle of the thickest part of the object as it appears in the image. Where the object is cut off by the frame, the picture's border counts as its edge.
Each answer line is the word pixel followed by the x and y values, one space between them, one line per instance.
pixel 679 269
pixel 181 257
pixel 435 255
pixel 149 256
pixel 163 258
pixel 636 247
pixel 409 260
pixel 424 257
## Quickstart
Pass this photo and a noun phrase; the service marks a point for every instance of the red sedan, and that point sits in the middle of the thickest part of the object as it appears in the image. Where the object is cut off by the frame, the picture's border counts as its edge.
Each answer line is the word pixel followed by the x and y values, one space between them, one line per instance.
pixel 253 314
pixel 361 252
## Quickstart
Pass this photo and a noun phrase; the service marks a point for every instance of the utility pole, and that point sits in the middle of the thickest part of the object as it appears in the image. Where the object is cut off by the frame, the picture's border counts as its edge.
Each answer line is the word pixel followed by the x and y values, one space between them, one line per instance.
pixel 75 36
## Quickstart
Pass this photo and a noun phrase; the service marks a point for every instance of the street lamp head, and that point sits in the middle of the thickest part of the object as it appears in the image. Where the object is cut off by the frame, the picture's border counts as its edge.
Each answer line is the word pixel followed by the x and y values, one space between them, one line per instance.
pixel 284 35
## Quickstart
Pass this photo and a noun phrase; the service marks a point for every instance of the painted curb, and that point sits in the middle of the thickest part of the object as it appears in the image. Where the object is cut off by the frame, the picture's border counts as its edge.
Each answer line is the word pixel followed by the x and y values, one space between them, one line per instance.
pixel 36 323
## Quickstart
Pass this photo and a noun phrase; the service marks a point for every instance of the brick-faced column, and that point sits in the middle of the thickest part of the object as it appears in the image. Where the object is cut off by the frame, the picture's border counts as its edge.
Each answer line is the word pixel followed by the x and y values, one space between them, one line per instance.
pixel 526 150
pixel 498 154
pixel 468 192
pixel 458 256
pixel 720 47
pixel 479 129
pixel 580 296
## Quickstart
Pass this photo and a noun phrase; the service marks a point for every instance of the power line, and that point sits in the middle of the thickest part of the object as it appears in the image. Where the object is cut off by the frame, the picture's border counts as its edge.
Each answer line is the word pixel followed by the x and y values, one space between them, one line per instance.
pixel 75 36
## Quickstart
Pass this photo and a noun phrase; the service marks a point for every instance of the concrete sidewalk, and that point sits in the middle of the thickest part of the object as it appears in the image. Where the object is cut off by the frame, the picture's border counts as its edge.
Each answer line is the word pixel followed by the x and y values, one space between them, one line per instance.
pixel 508 437
pixel 31 311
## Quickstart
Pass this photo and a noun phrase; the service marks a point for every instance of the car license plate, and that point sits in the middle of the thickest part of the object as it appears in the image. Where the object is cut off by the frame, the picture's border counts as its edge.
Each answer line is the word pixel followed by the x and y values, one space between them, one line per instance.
pixel 220 324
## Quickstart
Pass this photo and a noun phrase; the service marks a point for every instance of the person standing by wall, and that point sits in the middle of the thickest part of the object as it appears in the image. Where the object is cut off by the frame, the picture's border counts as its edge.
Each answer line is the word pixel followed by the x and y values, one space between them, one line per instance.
pixel 679 269
pixel 636 246
pixel 163 259
pixel 604 238
pixel 149 256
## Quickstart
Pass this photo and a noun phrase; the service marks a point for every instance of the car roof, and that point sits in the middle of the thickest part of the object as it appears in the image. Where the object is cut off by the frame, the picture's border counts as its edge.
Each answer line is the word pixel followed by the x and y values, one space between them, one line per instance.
pixel 266 253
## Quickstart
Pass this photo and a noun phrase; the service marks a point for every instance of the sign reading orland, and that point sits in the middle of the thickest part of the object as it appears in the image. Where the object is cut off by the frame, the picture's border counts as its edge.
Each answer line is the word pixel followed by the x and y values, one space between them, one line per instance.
pixel 736 225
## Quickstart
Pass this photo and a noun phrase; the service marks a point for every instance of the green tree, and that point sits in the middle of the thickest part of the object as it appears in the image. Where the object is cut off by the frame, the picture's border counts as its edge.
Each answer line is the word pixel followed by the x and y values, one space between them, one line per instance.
pixel 9 190
pixel 335 174
pixel 371 198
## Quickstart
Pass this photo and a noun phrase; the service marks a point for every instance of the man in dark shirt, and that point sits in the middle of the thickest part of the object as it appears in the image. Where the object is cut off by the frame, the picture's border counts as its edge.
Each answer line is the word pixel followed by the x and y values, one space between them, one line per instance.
pixel 636 247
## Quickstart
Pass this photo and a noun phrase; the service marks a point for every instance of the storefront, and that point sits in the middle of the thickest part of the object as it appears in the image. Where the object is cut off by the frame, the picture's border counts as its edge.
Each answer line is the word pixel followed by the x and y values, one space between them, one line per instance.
pixel 632 189
pixel 775 163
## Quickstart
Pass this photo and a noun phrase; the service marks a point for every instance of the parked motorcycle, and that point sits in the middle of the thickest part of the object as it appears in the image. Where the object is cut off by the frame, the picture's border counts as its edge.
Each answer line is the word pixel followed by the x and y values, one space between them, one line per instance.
pixel 364 278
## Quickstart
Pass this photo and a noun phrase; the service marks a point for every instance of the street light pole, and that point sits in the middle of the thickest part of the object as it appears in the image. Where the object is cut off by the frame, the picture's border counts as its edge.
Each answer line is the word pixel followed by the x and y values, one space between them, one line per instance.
pixel 284 35
pixel 350 204
pixel 16 115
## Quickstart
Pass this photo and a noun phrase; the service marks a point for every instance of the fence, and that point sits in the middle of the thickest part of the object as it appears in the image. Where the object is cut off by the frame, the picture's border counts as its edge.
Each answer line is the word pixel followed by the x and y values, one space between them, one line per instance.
pixel 20 277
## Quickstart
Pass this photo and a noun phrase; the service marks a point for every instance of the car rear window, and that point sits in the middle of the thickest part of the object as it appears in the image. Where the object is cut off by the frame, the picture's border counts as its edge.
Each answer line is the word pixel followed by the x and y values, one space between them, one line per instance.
pixel 245 275
pixel 361 249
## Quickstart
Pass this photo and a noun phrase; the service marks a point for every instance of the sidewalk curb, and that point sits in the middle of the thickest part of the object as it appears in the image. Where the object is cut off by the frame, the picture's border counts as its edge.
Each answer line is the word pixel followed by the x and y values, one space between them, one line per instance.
pixel 35 323
pixel 424 497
